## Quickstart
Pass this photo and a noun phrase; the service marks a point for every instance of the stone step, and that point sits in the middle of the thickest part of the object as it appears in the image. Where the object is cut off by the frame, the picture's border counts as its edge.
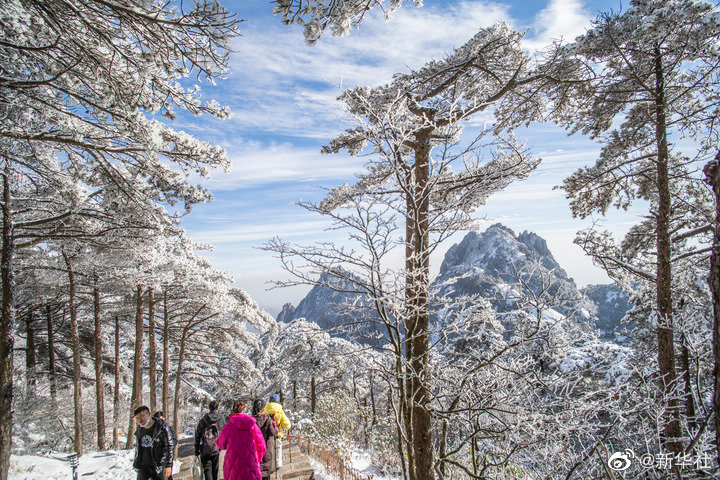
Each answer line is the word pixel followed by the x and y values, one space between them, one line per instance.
pixel 297 469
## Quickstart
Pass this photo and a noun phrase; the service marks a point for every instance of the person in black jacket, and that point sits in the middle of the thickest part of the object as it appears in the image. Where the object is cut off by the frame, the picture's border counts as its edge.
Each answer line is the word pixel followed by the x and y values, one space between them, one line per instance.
pixel 154 446
pixel 161 415
pixel 206 434
pixel 268 427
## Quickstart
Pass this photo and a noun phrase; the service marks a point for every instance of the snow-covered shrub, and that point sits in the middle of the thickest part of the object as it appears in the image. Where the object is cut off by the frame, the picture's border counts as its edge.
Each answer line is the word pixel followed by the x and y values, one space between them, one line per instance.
pixel 338 421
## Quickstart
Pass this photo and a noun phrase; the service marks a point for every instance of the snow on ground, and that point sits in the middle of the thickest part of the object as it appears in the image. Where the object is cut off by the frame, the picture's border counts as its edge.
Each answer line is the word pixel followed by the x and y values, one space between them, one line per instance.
pixel 362 462
pixel 107 465
pixel 319 469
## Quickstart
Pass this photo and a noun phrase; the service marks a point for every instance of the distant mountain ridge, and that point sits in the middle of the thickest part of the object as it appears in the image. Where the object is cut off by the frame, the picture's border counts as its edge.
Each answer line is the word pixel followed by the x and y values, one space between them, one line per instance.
pixel 482 264
pixel 334 305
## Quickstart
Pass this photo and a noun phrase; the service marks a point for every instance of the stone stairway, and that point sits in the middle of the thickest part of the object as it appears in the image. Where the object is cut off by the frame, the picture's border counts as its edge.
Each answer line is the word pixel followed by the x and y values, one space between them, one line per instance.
pixel 296 465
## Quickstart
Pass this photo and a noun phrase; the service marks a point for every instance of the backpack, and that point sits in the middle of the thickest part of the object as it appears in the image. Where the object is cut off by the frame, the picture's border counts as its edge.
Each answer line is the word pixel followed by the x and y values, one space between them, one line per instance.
pixel 209 440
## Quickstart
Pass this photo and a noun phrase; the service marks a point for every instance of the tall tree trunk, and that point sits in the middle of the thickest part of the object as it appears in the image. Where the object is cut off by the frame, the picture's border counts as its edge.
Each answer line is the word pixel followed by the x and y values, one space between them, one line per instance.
pixel 30 356
pixel 51 355
pixel 406 413
pixel 313 398
pixel 407 383
pixel 99 386
pixel 7 327
pixel 687 383
pixel 400 423
pixel 671 431
pixel 372 401
pixel 116 390
pixel 418 315
pixel 178 379
pixel 136 398
pixel 712 173
pixel 77 374
pixel 152 367
pixel 151 350
pixel 443 449
pixel 166 358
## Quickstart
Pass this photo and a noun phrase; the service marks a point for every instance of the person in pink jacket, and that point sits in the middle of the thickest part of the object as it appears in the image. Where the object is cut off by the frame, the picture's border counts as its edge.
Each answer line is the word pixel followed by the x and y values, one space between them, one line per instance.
pixel 245 446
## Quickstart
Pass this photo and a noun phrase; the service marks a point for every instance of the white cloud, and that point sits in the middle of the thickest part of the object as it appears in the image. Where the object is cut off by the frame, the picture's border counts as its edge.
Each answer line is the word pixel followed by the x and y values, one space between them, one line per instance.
pixel 561 19
pixel 261 232
pixel 279 85
pixel 255 164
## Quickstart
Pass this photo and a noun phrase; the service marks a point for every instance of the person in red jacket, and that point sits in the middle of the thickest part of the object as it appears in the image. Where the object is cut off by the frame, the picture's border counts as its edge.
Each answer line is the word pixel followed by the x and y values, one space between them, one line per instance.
pixel 244 445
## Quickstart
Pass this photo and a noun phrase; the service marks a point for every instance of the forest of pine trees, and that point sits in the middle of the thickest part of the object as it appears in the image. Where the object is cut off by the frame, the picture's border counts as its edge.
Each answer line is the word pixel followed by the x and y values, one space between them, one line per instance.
pixel 107 303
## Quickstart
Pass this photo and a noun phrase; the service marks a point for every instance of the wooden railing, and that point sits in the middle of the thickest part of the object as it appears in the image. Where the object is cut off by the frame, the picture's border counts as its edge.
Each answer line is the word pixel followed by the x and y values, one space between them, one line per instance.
pixel 334 463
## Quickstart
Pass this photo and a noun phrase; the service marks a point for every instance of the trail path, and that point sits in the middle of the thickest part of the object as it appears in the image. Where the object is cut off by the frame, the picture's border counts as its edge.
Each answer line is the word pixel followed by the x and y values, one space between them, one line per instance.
pixel 297 469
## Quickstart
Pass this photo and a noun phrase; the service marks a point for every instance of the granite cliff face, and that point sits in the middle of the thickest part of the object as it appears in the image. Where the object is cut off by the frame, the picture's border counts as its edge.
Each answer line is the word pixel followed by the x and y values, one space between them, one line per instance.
pixel 612 304
pixel 286 314
pixel 335 306
pixel 506 268
pixel 496 265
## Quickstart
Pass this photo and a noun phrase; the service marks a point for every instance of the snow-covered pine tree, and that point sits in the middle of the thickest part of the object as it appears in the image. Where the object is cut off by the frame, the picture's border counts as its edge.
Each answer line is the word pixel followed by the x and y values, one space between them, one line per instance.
pixel 635 80
pixel 319 15
pixel 66 114
pixel 420 171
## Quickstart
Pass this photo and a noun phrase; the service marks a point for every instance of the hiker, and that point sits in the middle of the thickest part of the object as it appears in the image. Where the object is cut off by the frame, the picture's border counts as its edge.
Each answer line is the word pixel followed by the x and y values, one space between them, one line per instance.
pixel 154 446
pixel 161 415
pixel 269 429
pixel 206 435
pixel 275 409
pixel 245 446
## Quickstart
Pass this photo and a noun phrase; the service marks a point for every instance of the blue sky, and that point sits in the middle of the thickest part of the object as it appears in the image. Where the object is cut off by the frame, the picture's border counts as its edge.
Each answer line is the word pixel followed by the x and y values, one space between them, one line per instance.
pixel 283 95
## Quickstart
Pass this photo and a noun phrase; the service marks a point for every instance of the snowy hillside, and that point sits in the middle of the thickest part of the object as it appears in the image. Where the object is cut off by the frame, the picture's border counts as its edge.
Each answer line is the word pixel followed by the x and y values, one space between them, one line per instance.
pixel 335 305
pixel 612 304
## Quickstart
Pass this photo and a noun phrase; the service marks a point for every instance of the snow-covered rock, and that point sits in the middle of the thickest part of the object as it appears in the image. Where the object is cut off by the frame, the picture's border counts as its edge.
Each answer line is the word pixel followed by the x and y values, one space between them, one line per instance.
pixel 483 265
pixel 335 306
pixel 612 304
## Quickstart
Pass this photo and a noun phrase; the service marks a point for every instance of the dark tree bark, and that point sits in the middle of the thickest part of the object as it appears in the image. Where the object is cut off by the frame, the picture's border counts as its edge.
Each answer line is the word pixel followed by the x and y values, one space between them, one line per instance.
pixel 166 358
pixel 99 385
pixel 151 350
pixel 51 355
pixel 136 398
pixel 7 327
pixel 372 400
pixel 178 379
pixel 116 390
pixel 712 173
pixel 417 310
pixel 313 398
pixel 443 449
pixel 30 355
pixel 189 329
pixel 77 377
pixel 690 411
pixel 671 431
pixel 407 384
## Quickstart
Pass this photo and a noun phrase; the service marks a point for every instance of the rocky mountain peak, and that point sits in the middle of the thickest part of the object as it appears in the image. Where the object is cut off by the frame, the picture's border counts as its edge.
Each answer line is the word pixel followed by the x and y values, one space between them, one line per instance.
pixel 496 250
pixel 286 313
pixel 481 265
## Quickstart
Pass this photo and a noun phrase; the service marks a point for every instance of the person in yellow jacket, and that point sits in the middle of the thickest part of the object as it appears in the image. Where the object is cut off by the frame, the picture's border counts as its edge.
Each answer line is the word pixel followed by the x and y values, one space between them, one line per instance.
pixel 275 409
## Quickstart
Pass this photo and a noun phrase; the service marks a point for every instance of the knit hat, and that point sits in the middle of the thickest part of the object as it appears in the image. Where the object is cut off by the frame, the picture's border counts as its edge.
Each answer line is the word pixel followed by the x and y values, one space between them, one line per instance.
pixel 274 398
